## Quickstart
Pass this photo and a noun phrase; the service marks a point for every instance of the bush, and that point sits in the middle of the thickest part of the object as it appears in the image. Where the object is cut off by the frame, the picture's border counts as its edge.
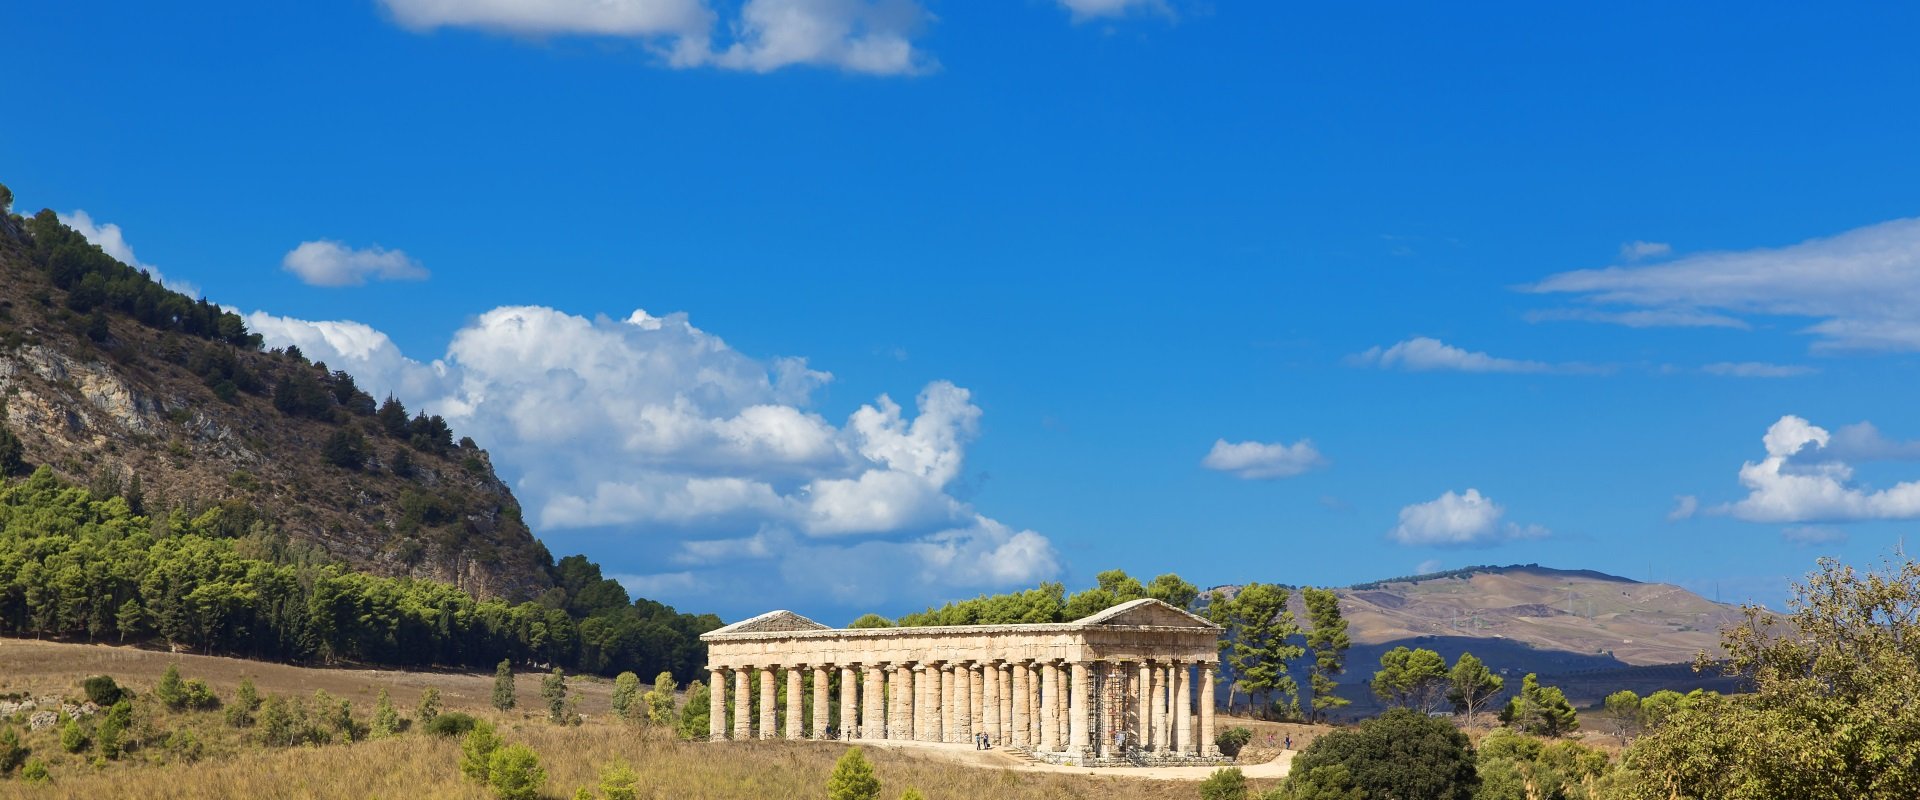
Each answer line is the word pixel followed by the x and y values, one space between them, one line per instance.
pixel 114 727
pixel 618 782
pixel 451 723
pixel 696 715
pixel 11 753
pixel 36 772
pixel 184 746
pixel 1401 753
pixel 430 707
pixel 1232 740
pixel 199 697
pixel 386 721
pixel 503 693
pixel 171 691
pixel 554 689
pixel 73 738
pixel 102 690
pixel 1226 783
pixel 852 778
pixel 515 773
pixel 626 686
pixel 476 752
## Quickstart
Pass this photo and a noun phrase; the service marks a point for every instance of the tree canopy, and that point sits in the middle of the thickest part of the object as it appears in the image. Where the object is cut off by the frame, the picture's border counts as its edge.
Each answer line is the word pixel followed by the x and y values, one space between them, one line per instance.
pixel 1401 753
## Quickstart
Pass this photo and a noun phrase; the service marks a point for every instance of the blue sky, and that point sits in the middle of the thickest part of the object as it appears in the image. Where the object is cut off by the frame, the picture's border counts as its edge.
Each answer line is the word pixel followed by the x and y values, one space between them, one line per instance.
pixel 1519 277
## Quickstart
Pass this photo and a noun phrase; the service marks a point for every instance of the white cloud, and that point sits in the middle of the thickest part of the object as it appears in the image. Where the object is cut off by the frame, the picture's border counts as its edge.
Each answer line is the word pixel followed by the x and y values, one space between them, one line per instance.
pixel 657 584
pixel 1814 534
pixel 1861 287
pixel 1658 318
pixel 1862 441
pixel 112 241
pixel 866 36
pixel 1428 567
pixel 1424 354
pixel 1255 460
pixel 1757 369
pixel 330 263
pixel 1800 480
pixel 653 426
pixel 1083 10
pixel 1459 520
pixel 1684 507
pixel 1636 250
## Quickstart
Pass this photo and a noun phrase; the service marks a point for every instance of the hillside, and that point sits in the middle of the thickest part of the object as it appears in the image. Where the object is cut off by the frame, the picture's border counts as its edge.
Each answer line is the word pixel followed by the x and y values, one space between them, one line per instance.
pixel 115 382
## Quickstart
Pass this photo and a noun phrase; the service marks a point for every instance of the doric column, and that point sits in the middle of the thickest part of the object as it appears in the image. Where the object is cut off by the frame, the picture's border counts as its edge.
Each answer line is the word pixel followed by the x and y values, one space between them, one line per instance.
pixel 902 725
pixel 1021 722
pixel 1207 747
pixel 1006 703
pixel 977 715
pixel 795 706
pixel 1077 713
pixel 1162 709
pixel 962 704
pixel 1036 713
pixel 1144 702
pixel 716 704
pixel 926 683
pixel 948 732
pixel 742 704
pixel 873 723
pixel 768 706
pixel 1050 707
pixel 1183 710
pixel 821 680
pixel 849 719
pixel 991 704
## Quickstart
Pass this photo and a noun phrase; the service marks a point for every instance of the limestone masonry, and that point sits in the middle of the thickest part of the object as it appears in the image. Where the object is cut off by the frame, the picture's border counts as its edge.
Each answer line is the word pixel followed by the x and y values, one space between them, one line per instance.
pixel 1114 689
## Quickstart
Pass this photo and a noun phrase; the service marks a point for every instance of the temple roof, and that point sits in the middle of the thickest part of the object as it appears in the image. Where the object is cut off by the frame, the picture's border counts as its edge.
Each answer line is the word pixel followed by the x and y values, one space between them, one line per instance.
pixel 1146 611
pixel 773 622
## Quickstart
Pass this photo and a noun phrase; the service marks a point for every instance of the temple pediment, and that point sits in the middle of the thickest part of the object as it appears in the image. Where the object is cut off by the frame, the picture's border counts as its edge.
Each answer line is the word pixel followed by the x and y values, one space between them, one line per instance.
pixel 1146 612
pixel 773 622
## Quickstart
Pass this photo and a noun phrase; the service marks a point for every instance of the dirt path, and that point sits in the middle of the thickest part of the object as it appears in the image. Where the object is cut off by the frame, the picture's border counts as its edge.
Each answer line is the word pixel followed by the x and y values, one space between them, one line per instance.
pixel 1000 759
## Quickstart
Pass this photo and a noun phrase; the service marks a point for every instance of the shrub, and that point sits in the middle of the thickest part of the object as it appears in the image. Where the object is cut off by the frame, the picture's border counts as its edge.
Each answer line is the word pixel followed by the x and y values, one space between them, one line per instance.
pixel 114 727
pixel 476 752
pixel 1233 739
pixel 660 700
pixel 697 714
pixel 554 689
pixel 1226 783
pixel 171 691
pixel 198 696
pixel 36 772
pixel 73 738
pixel 452 723
pixel 515 773
pixel 618 782
pixel 1401 753
pixel 184 746
pixel 912 794
pixel 102 690
pixel 503 698
pixel 429 706
pixel 11 753
pixel 386 721
pixel 626 686
pixel 852 778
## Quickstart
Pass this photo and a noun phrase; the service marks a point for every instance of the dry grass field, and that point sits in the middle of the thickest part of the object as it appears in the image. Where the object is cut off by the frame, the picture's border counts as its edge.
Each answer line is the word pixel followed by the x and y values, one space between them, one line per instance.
pixel 414 765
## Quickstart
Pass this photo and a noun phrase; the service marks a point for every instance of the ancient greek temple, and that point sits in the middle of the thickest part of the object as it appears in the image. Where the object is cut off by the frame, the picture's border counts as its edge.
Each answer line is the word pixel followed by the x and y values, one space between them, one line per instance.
pixel 1114 689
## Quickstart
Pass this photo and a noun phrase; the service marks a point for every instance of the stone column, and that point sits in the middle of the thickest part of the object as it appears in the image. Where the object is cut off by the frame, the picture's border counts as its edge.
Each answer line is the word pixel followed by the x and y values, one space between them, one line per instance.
pixel 1050 707
pixel 1207 747
pixel 716 704
pixel 962 704
pixel 1077 697
pixel 1022 723
pixel 1145 704
pixel 1036 708
pixel 849 720
pixel 1183 709
pixel 795 708
pixel 991 704
pixel 767 703
pixel 742 704
pixel 1006 703
pixel 821 678
pixel 977 675
pixel 902 725
pixel 873 723
pixel 948 732
pixel 1162 709
pixel 926 684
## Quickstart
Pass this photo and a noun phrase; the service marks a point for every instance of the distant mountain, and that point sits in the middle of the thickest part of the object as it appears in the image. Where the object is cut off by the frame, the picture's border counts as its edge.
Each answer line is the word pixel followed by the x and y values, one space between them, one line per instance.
pixel 109 378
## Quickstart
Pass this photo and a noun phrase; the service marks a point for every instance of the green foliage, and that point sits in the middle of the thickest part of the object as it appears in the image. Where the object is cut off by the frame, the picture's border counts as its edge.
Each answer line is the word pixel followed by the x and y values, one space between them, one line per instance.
pixel 1226 783
pixel 386 721
pixel 101 690
pixel 1514 766
pixel 626 688
pixel 1540 710
pixel 246 700
pixel 871 621
pixel 452 723
pixel 1047 602
pixel 1411 678
pixel 1623 713
pixel 660 699
pixel 13 454
pixel 429 708
pixel 697 714
pixel 1401 753
pixel 345 449
pixel 336 715
pixel 1470 686
pixel 197 696
pixel 1327 641
pixel 73 738
pixel 476 751
pixel 1259 644
pixel 92 279
pixel 853 778
pixel 503 691
pixel 12 753
pixel 171 691
pixel 1232 739
pixel 35 772
pixel 185 746
pixel 113 727
pixel 1173 591
pixel 912 794
pixel 515 773
pixel 618 782
pixel 554 689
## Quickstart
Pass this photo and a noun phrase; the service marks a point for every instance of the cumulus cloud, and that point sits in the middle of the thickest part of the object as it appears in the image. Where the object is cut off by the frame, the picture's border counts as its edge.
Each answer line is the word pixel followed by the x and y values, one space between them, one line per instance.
pixel 653 426
pixel 112 241
pixel 1802 479
pixel 1425 354
pixel 866 36
pixel 1453 520
pixel 1083 10
pixel 1255 460
pixel 1860 288
pixel 330 263
pixel 1757 369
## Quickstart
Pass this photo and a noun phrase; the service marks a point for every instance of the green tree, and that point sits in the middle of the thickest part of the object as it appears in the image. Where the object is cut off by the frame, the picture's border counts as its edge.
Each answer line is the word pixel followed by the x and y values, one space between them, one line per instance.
pixel 660 700
pixel 1262 628
pixel 696 715
pixel 852 778
pixel 113 727
pixel 73 738
pixel 345 449
pixel 503 693
pixel 618 782
pixel 1328 641
pixel 12 453
pixel 1173 591
pixel 1411 678
pixel 554 689
pixel 1226 783
pixel 171 691
pixel 1470 686
pixel 35 772
pixel 626 688
pixel 476 751
pixel 11 753
pixel 131 621
pixel 1540 710
pixel 1623 713
pixel 871 621
pixel 1399 754
pixel 429 707
pixel 515 773
pixel 386 721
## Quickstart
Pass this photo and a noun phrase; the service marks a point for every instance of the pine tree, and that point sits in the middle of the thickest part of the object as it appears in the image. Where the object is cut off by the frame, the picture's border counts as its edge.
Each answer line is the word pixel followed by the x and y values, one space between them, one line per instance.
pixel 386 721
pixel 554 689
pixel 660 700
pixel 429 705
pixel 131 620
pixel 171 691
pixel 697 714
pixel 852 778
pixel 1262 644
pixel 503 697
pixel 1471 685
pixel 626 688
pixel 1328 641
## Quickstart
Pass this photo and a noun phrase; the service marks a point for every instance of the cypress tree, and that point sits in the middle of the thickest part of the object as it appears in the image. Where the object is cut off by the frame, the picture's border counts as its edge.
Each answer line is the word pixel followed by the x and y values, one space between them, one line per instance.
pixel 503 698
